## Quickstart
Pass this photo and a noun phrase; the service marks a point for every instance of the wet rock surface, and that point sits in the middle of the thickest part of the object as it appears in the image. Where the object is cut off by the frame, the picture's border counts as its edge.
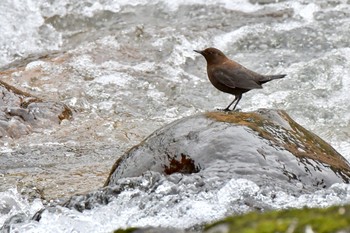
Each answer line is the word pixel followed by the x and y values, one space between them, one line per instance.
pixel 265 146
pixel 21 113
pixel 264 150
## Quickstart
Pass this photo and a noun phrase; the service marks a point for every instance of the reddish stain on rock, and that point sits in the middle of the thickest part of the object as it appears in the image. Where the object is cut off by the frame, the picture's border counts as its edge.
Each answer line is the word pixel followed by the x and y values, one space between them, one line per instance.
pixel 185 165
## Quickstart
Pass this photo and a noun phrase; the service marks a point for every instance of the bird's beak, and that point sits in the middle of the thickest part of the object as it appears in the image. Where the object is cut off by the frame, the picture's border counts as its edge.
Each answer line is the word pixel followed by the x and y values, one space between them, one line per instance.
pixel 198 51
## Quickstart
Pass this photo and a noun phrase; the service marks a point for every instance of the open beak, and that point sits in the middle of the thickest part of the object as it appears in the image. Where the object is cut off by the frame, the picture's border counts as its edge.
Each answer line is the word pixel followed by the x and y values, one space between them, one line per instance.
pixel 198 51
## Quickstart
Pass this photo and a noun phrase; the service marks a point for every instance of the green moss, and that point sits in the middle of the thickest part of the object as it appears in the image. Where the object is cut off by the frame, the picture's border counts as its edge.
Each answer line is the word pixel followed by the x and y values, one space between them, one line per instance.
pixel 298 140
pixel 250 119
pixel 320 220
pixel 327 220
pixel 129 230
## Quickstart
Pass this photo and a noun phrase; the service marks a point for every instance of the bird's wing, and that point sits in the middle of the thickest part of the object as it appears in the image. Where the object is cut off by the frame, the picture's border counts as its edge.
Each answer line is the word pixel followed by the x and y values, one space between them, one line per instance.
pixel 236 78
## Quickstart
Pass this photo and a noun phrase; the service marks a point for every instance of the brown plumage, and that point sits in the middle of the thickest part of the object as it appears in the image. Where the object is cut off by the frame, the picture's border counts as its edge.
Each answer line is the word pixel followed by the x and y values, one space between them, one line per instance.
pixel 230 77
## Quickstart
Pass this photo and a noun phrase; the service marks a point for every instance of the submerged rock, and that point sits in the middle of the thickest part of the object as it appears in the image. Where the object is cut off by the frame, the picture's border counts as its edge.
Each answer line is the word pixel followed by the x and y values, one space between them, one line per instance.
pixel 266 147
pixel 21 113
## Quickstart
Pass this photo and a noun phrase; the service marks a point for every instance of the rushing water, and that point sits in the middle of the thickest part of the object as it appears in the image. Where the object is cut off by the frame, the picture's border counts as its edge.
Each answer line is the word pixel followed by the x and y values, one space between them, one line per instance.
pixel 128 67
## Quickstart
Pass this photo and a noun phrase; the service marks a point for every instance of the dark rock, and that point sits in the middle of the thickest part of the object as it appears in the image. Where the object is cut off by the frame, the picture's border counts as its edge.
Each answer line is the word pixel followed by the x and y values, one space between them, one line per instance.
pixel 21 112
pixel 266 147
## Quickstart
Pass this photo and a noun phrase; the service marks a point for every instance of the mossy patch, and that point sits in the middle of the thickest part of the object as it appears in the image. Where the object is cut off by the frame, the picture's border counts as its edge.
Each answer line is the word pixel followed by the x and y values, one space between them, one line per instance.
pixel 320 220
pixel 332 219
pixel 315 147
pixel 250 119
pixel 129 230
pixel 297 140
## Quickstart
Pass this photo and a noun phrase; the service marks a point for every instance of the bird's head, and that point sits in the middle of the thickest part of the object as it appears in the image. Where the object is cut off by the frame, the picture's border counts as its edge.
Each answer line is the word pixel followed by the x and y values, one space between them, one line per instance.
pixel 212 55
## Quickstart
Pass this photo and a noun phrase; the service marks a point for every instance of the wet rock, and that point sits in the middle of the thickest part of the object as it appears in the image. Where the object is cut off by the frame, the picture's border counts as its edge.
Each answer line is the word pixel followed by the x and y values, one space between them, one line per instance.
pixel 237 159
pixel 21 113
pixel 265 146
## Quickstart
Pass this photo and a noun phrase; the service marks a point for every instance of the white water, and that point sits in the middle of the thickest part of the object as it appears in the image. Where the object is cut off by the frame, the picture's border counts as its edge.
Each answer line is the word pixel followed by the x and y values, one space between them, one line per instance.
pixel 134 208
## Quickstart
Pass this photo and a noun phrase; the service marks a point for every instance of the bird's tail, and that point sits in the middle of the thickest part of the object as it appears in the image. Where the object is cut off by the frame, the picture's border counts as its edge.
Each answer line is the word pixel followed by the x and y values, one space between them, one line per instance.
pixel 267 78
pixel 278 76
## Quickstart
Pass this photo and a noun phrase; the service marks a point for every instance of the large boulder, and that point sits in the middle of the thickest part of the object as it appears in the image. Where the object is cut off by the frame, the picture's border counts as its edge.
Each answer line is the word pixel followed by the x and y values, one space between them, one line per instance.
pixel 21 113
pixel 265 146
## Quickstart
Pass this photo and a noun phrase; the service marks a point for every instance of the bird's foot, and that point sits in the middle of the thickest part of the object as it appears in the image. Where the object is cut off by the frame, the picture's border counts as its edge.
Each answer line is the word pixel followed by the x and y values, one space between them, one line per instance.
pixel 224 109
pixel 229 110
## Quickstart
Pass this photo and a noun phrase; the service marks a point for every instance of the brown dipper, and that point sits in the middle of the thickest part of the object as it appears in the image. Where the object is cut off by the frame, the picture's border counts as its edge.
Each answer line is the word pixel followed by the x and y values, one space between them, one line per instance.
pixel 230 77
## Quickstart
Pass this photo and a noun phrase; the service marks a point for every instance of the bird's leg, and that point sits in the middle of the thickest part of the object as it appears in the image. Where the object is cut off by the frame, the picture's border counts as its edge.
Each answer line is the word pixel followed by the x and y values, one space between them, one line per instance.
pixel 228 107
pixel 238 99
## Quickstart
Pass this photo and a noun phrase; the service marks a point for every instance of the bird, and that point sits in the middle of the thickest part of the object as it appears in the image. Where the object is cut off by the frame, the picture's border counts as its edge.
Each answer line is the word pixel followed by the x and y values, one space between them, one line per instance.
pixel 230 77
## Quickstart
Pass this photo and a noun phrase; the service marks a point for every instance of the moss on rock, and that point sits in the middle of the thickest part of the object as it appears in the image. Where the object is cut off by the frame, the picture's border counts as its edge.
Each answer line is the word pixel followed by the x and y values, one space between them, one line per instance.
pixel 293 137
pixel 318 220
